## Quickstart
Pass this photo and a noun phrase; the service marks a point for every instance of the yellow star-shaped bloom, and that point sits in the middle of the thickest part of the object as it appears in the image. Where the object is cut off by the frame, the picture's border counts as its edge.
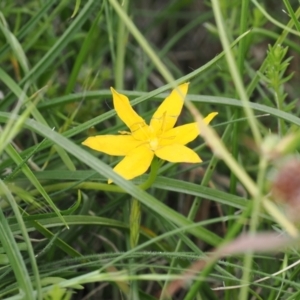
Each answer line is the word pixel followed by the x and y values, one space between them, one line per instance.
pixel 159 138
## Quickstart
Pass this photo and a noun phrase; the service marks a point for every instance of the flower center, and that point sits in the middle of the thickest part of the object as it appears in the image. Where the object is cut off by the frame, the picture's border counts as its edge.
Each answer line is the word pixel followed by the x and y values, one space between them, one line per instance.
pixel 153 144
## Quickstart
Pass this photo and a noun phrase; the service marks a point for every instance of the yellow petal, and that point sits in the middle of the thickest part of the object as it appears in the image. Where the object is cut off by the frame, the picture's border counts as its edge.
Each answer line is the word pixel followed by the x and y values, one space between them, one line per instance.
pixel 112 144
pixel 183 134
pixel 208 118
pixel 126 113
pixel 167 113
pixel 135 163
pixel 180 134
pixel 178 153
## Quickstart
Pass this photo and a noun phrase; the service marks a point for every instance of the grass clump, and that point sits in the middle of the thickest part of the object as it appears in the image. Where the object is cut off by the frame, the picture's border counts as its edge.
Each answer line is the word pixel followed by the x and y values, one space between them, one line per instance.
pixel 225 228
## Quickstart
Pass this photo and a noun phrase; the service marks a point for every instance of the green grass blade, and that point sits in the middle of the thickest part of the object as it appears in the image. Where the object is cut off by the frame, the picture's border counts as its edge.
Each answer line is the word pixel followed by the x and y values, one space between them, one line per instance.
pixel 55 51
pixel 29 174
pixel 13 252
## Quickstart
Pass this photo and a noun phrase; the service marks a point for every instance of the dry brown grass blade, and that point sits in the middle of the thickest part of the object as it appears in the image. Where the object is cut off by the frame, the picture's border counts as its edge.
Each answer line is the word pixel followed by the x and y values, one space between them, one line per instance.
pixel 260 242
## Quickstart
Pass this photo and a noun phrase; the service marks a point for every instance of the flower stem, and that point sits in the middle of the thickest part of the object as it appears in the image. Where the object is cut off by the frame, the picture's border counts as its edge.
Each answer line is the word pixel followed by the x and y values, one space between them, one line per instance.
pixel 134 222
pixel 135 210
pixel 156 163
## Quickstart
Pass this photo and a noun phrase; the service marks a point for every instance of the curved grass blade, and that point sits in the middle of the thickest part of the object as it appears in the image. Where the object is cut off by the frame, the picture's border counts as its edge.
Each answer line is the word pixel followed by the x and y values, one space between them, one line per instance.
pixel 13 252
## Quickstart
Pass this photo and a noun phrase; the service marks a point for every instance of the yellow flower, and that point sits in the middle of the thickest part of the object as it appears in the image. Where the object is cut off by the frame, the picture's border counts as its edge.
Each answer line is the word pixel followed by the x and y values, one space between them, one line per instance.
pixel 160 138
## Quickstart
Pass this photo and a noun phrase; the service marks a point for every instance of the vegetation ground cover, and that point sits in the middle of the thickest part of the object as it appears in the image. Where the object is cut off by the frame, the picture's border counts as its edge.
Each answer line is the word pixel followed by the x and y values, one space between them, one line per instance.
pixel 223 228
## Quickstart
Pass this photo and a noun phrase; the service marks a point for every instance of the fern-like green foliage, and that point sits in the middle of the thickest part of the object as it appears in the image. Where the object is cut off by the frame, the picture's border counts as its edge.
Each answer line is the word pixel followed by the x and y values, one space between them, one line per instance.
pixel 277 66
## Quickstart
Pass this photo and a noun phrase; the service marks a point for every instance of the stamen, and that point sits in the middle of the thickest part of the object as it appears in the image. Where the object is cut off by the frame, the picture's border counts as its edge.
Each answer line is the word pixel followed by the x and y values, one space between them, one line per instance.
pixel 124 132
pixel 136 126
